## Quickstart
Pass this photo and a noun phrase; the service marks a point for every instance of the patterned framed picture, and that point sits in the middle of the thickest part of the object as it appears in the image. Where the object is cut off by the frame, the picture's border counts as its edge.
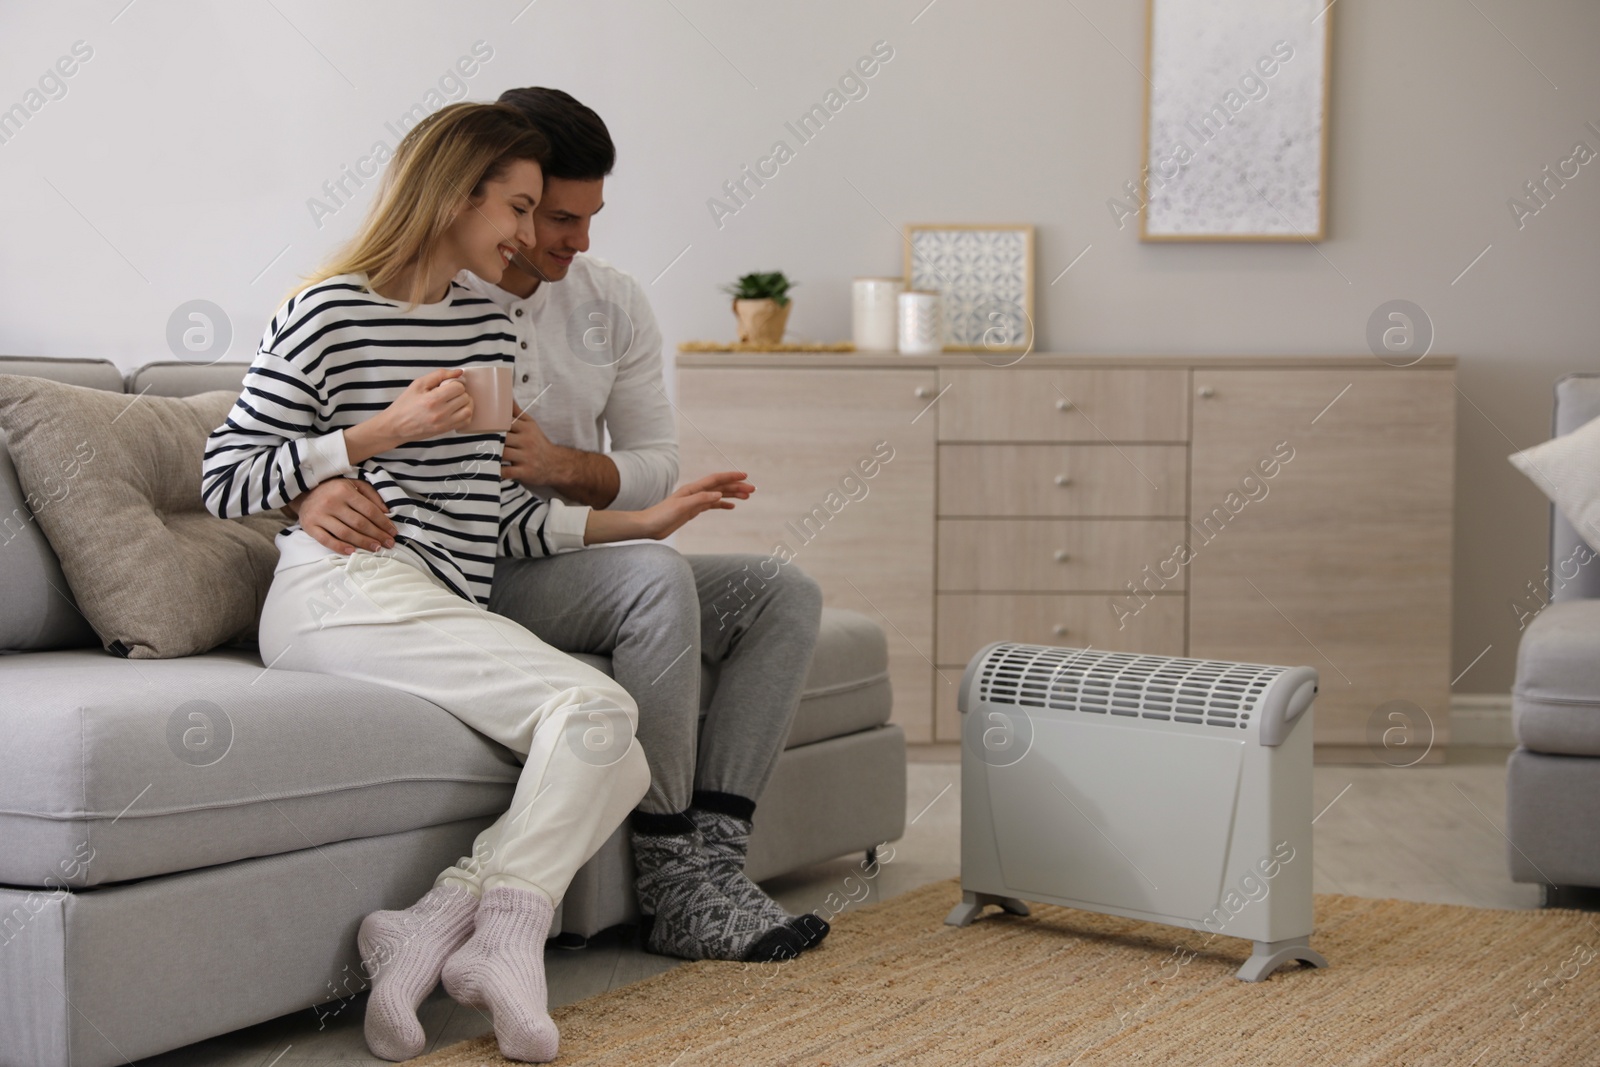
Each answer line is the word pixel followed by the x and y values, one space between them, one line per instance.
pixel 984 275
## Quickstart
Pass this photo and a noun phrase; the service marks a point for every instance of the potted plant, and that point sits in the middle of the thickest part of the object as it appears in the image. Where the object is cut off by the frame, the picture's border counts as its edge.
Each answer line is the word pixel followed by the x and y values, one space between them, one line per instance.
pixel 761 302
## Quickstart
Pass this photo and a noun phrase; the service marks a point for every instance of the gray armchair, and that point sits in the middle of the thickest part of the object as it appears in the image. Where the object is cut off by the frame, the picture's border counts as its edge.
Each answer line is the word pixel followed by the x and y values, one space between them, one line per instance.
pixel 1553 777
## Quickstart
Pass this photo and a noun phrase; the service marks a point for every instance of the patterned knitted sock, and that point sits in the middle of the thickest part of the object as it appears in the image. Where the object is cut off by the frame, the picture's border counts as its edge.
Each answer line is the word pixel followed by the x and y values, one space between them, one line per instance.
pixel 501 971
pixel 727 844
pixel 690 917
pixel 403 952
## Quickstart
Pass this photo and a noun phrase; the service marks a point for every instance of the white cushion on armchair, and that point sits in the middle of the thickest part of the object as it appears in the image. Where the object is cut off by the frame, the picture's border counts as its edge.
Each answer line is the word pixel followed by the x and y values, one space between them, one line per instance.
pixel 1567 468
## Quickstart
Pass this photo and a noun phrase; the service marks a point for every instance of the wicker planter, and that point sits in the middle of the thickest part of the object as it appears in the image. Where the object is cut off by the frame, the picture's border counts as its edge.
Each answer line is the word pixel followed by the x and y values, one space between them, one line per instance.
pixel 761 321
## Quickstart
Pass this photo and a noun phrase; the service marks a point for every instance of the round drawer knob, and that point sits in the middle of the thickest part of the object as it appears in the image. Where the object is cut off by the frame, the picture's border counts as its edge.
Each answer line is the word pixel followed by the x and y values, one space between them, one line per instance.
pixel 1059 629
pixel 922 392
pixel 1206 392
pixel 1062 479
pixel 1063 404
pixel 1061 555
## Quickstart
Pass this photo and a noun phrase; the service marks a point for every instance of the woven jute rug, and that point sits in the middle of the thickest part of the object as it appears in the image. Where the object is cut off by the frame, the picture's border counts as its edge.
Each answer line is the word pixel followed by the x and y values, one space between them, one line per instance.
pixel 1410 984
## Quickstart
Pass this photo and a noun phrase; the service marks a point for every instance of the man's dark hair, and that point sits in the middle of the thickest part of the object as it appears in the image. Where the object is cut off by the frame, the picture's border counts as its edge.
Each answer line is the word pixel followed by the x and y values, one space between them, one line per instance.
pixel 580 145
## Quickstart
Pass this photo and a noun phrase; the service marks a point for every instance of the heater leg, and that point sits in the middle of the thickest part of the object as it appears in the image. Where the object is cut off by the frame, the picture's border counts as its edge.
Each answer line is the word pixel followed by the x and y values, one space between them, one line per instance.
pixel 1270 955
pixel 972 905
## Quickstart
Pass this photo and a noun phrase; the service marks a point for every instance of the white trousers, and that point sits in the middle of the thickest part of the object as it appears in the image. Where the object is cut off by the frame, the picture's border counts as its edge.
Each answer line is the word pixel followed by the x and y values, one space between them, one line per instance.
pixel 380 619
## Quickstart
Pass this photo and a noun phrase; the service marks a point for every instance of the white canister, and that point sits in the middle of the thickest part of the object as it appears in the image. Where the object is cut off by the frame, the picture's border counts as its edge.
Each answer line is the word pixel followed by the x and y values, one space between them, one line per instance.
pixel 873 312
pixel 921 332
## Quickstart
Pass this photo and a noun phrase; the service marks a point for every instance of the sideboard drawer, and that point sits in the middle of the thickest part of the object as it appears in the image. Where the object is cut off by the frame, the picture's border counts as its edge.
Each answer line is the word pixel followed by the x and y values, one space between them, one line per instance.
pixel 1046 480
pixel 1015 404
pixel 1059 555
pixel 969 621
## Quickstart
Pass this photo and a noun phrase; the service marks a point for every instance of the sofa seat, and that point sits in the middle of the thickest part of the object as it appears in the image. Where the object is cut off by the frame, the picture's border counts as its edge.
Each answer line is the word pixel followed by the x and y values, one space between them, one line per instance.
pixel 847 685
pixel 106 775
pixel 1556 700
pixel 95 762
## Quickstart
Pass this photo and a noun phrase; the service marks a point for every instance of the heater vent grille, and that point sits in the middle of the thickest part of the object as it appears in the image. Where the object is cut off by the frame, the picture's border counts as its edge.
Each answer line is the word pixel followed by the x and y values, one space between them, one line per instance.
pixel 1159 688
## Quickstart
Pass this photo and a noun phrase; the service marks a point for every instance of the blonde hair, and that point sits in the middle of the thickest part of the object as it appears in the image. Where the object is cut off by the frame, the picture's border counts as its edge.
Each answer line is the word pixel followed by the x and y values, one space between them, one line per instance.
pixel 441 163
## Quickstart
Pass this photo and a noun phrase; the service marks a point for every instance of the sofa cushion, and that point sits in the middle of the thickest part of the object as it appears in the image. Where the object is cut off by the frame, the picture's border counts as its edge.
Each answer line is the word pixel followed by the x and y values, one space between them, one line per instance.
pixel 117 479
pixel 174 378
pixel 37 610
pixel 847 687
pixel 1556 700
pixel 113 769
pixel 89 373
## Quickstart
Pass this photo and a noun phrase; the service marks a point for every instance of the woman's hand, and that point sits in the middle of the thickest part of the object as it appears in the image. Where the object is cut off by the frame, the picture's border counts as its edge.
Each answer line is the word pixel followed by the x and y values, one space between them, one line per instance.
pixel 714 492
pixel 435 403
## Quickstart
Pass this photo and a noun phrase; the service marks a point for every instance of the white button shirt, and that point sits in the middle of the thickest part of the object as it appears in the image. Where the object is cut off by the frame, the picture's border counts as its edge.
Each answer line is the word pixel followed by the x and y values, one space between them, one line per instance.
pixel 588 366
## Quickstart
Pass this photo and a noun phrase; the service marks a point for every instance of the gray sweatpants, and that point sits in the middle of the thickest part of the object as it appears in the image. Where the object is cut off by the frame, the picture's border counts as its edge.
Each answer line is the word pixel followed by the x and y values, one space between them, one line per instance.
pixel 659 614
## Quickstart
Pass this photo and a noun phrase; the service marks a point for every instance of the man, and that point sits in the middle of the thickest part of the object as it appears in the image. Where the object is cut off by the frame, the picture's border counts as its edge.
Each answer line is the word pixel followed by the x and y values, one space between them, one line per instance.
pixel 589 365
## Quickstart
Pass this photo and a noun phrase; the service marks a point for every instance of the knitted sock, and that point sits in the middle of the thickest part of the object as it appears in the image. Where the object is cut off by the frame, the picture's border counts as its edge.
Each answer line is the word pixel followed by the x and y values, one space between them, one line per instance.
pixel 501 971
pixel 689 916
pixel 727 842
pixel 403 952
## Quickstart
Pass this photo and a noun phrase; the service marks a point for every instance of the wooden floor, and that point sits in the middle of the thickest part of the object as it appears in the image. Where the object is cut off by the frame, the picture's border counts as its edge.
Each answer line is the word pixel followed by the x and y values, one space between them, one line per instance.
pixel 1427 833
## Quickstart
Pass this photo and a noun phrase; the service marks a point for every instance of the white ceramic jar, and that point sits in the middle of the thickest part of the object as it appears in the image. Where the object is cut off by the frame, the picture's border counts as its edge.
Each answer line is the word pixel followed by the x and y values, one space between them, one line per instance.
pixel 874 314
pixel 921 331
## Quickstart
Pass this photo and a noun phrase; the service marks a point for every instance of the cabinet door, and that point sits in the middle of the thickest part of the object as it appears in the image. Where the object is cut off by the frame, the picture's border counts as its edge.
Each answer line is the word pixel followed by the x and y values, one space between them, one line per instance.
pixel 805 437
pixel 1341 558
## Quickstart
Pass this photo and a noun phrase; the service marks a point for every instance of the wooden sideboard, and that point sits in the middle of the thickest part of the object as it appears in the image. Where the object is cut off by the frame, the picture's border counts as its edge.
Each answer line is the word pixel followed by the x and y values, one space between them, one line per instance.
pixel 1276 510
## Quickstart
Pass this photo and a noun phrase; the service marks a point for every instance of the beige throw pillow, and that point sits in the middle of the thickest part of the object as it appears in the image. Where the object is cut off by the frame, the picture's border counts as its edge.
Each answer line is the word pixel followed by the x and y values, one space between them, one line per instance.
pixel 114 482
pixel 1567 468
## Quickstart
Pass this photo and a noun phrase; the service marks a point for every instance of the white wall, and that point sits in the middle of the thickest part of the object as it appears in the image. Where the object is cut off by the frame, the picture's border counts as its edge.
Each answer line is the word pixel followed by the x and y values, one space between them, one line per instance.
pixel 179 163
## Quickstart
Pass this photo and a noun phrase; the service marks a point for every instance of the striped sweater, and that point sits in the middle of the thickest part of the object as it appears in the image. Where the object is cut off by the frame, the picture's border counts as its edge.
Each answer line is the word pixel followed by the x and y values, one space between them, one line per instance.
pixel 337 353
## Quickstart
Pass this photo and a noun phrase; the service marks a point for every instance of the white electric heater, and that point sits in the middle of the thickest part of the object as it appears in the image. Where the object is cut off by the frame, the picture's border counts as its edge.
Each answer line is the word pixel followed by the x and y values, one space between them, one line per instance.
pixel 1171 790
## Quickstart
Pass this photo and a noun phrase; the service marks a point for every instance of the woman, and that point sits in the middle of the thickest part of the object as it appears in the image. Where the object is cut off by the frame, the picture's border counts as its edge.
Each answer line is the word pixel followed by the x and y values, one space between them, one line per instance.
pixel 360 375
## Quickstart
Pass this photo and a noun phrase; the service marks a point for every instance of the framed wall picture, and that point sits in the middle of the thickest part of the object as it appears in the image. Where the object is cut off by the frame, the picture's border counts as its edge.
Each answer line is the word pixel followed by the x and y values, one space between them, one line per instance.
pixel 984 276
pixel 1236 121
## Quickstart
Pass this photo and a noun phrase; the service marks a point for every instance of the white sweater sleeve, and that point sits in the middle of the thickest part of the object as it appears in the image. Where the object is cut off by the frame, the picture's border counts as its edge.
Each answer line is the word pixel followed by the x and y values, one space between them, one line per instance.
pixel 638 417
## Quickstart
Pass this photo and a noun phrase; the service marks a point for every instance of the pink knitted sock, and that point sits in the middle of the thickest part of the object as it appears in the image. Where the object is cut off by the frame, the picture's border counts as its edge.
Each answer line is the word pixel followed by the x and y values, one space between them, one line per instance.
pixel 501 971
pixel 403 952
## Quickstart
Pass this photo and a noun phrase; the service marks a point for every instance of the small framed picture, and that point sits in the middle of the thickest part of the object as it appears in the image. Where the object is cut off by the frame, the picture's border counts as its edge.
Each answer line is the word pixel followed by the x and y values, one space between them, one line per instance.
pixel 983 273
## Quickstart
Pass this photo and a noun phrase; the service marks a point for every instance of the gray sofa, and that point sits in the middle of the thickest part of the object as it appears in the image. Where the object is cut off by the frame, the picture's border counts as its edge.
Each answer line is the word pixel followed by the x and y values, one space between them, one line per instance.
pixel 1553 776
pixel 150 898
